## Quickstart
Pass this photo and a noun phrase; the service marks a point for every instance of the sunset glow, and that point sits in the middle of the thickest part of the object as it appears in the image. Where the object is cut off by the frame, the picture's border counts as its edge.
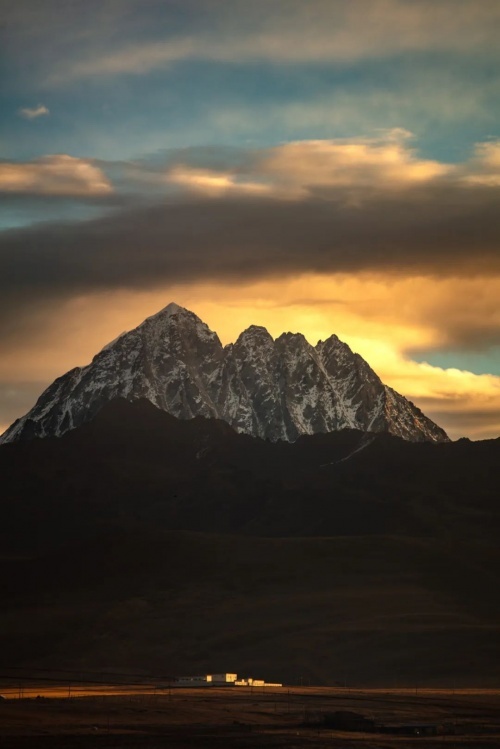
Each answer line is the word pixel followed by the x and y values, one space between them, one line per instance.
pixel 321 167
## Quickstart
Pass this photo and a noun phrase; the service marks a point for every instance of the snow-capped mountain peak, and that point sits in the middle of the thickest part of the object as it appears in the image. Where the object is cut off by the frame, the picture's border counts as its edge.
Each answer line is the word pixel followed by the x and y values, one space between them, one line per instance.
pixel 170 309
pixel 273 389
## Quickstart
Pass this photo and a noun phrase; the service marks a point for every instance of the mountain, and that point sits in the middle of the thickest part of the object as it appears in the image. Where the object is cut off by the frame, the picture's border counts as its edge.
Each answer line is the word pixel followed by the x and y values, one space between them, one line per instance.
pixel 273 389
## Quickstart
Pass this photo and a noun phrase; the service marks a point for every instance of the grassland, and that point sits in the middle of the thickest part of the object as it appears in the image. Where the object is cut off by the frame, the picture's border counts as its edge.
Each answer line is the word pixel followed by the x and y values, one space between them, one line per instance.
pixel 152 717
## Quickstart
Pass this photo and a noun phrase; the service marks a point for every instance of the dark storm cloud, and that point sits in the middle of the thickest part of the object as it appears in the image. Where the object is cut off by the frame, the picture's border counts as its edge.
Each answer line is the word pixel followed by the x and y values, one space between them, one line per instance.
pixel 471 334
pixel 437 230
pixel 31 202
pixel 443 229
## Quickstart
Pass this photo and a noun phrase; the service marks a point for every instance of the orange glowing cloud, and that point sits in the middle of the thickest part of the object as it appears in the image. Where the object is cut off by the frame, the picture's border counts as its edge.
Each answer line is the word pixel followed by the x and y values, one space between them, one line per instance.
pixel 54 175
pixel 295 169
pixel 365 162
pixel 213 183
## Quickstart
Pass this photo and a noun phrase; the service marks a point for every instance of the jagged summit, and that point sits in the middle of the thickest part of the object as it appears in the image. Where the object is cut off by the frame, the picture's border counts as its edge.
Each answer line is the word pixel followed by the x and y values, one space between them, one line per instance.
pixel 273 389
pixel 253 336
pixel 174 311
pixel 256 330
pixel 171 309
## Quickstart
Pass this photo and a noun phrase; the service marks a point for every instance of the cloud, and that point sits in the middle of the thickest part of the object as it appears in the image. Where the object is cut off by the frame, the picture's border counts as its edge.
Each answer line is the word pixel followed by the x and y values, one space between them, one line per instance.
pixel 54 175
pixel 326 207
pixel 379 164
pixel 33 114
pixel 317 32
pixel 215 183
pixel 476 419
pixel 424 96
pixel 364 163
pixel 484 167
pixel 458 400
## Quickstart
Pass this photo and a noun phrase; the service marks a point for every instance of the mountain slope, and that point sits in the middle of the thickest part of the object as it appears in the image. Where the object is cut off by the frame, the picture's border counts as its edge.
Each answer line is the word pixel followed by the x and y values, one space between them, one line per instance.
pixel 140 465
pixel 273 389
pixel 140 541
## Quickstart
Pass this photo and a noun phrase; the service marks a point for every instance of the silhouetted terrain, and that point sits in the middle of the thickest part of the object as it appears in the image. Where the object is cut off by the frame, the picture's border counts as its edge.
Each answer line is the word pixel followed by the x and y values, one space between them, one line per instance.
pixel 140 541
pixel 245 719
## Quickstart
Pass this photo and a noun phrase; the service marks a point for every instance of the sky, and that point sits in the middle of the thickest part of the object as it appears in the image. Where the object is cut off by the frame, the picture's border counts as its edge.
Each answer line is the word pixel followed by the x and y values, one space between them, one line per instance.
pixel 314 166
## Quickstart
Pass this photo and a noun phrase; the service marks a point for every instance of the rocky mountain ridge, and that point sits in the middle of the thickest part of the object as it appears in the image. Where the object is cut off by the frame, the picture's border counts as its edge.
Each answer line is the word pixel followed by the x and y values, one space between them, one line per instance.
pixel 272 389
